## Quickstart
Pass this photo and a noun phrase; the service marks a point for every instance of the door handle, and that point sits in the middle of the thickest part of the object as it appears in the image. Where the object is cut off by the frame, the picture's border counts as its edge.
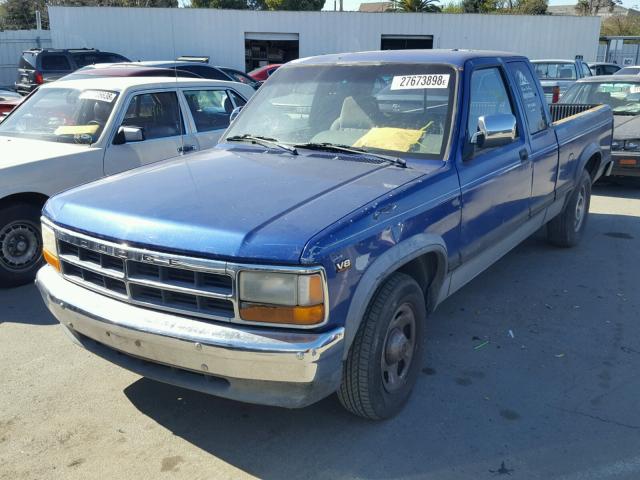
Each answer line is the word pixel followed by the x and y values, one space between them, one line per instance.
pixel 186 148
pixel 524 155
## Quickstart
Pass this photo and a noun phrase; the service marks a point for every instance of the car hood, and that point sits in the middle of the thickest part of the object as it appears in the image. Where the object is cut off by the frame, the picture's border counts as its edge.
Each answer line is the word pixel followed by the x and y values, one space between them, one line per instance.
pixel 626 127
pixel 229 204
pixel 16 151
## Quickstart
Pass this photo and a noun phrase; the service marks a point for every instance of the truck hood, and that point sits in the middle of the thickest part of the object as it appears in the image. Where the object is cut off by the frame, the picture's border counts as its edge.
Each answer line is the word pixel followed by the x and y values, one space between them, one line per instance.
pixel 16 151
pixel 238 204
pixel 626 127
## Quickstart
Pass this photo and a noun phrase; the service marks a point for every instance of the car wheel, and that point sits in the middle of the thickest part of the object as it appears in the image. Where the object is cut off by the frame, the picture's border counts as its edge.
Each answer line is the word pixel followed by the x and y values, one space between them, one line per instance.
pixel 20 244
pixel 566 229
pixel 384 360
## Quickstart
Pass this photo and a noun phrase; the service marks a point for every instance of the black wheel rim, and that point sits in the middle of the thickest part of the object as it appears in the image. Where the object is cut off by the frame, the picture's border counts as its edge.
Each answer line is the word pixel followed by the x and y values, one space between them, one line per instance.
pixel 398 348
pixel 20 246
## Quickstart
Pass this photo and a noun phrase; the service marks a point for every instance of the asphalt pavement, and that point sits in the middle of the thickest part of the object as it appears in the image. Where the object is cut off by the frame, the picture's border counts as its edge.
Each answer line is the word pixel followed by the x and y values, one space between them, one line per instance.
pixel 531 372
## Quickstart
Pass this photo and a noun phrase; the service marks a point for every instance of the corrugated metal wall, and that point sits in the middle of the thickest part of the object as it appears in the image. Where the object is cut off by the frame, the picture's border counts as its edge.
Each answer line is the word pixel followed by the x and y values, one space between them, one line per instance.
pixel 150 34
pixel 12 43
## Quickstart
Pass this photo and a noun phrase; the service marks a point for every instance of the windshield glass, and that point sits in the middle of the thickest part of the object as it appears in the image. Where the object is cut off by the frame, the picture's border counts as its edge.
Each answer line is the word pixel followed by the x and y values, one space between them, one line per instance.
pixel 623 97
pixel 66 115
pixel 555 71
pixel 399 108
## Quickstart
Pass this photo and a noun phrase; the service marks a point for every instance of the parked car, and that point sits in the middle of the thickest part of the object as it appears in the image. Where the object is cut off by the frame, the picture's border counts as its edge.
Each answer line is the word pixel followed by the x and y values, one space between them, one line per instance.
pixel 8 101
pixel 558 75
pixel 205 71
pixel 126 70
pixel 69 133
pixel 261 74
pixel 42 65
pixel 633 70
pixel 303 254
pixel 603 68
pixel 622 94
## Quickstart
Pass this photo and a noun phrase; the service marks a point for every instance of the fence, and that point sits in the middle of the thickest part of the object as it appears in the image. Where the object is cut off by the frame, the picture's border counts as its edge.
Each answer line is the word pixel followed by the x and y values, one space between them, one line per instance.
pixel 12 43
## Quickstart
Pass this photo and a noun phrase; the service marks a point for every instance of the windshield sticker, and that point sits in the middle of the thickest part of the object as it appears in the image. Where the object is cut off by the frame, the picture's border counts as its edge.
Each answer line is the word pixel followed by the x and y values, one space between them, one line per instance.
pixel 99 95
pixel 76 130
pixel 412 82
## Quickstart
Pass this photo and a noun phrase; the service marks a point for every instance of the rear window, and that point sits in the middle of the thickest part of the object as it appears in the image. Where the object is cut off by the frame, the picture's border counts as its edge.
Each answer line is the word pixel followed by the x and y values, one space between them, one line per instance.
pixel 628 71
pixel 28 61
pixel 205 72
pixel 55 62
pixel 555 71
pixel 90 58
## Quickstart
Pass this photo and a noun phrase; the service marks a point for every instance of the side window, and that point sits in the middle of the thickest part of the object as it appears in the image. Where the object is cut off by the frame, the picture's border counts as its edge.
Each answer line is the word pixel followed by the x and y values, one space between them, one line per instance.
pixel 158 114
pixel 533 106
pixel 488 97
pixel 609 70
pixel 237 99
pixel 55 62
pixel 210 109
pixel 585 70
pixel 205 72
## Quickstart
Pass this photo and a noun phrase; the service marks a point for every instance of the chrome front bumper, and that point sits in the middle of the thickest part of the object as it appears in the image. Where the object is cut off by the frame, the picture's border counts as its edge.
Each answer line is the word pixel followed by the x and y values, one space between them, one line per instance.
pixel 265 366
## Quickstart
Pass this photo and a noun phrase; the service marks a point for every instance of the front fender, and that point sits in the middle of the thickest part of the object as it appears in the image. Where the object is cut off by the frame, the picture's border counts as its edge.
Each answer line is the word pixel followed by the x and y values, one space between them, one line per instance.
pixel 394 258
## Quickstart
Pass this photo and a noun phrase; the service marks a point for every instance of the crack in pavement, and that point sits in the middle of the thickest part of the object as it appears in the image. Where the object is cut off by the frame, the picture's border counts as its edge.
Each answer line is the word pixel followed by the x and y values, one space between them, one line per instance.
pixel 596 417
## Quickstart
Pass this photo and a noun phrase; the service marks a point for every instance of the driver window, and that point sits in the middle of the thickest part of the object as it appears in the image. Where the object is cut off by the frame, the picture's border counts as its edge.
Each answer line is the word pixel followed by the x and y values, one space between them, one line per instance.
pixel 158 114
pixel 488 97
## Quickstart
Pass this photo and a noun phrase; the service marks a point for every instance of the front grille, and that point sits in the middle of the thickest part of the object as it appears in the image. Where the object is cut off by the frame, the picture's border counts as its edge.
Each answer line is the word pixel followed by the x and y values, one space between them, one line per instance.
pixel 155 281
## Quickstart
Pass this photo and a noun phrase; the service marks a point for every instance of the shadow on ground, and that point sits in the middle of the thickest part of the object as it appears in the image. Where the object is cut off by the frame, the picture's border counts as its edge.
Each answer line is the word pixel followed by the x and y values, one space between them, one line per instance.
pixel 24 305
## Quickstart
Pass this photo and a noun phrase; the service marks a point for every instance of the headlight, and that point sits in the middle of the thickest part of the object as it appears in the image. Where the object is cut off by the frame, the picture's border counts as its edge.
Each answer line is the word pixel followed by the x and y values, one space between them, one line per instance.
pixel 617 145
pixel 287 298
pixel 50 247
pixel 632 145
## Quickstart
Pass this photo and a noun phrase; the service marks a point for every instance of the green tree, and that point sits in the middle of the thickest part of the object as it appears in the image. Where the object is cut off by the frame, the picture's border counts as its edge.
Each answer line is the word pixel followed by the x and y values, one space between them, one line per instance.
pixel 621 25
pixel 415 6
pixel 592 7
pixel 230 4
pixel 532 7
pixel 479 6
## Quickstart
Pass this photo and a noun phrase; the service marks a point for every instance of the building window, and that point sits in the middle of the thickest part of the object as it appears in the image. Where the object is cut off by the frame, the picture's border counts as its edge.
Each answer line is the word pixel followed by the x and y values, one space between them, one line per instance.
pixel 406 42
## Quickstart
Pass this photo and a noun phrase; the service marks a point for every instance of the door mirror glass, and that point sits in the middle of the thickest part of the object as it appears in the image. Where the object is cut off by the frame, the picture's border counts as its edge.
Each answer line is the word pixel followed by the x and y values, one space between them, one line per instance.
pixel 495 130
pixel 128 135
pixel 235 113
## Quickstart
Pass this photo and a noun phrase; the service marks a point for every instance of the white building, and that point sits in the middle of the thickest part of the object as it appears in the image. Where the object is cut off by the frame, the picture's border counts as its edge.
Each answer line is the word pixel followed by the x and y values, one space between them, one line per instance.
pixel 245 39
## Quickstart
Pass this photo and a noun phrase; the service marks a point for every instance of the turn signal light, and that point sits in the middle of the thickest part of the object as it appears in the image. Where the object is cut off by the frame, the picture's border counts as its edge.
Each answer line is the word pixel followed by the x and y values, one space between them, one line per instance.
pixel 309 315
pixel 51 259
pixel 556 94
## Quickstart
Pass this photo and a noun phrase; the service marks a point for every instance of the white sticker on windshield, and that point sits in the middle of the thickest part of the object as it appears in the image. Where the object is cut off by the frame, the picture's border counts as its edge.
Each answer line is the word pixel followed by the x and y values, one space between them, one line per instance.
pixel 99 95
pixel 410 82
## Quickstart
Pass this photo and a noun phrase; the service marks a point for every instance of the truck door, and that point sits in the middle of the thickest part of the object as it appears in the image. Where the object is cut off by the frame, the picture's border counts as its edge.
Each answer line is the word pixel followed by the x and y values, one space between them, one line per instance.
pixel 495 181
pixel 543 146
pixel 159 116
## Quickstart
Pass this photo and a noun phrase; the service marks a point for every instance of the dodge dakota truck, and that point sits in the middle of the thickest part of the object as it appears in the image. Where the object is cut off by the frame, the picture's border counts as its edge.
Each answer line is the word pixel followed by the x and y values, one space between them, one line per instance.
pixel 72 132
pixel 303 255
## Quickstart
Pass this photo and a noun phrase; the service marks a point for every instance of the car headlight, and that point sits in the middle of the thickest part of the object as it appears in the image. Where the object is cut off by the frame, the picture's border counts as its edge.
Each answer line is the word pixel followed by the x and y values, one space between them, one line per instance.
pixel 632 145
pixel 617 145
pixel 283 298
pixel 50 247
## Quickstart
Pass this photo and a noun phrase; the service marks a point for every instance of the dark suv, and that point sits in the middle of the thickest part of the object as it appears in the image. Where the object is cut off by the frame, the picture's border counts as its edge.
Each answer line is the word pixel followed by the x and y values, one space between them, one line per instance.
pixel 40 65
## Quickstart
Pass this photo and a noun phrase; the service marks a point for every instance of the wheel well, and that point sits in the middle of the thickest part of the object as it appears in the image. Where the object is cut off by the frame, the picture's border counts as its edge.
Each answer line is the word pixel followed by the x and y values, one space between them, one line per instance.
pixel 424 270
pixel 592 166
pixel 32 198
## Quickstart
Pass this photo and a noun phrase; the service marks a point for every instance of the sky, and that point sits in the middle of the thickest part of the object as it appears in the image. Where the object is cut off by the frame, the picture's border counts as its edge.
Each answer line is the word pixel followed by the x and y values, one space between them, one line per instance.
pixel 354 4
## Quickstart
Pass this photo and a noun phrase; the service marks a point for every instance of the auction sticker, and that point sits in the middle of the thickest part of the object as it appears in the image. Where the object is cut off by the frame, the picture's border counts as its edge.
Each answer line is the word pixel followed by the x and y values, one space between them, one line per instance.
pixel 410 82
pixel 99 95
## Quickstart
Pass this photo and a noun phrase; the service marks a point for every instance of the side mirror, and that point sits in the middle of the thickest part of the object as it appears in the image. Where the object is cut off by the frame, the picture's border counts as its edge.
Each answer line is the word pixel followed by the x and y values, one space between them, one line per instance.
pixel 128 135
pixel 495 130
pixel 236 111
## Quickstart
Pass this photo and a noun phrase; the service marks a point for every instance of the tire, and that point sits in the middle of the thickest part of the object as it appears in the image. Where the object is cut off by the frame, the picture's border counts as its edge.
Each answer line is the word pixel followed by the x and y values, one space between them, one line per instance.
pixel 20 244
pixel 368 388
pixel 567 228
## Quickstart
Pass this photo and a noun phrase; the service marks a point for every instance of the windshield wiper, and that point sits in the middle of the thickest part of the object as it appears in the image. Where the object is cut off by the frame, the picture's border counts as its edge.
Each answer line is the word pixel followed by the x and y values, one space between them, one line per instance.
pixel 334 147
pixel 264 141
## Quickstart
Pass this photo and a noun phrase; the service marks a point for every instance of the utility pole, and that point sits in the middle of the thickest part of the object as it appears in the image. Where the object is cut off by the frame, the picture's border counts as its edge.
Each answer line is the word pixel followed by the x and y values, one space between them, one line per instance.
pixel 38 20
pixel 341 9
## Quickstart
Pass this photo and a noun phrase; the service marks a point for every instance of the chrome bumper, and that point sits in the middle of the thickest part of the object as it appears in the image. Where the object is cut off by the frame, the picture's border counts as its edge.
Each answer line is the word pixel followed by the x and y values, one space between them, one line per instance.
pixel 264 366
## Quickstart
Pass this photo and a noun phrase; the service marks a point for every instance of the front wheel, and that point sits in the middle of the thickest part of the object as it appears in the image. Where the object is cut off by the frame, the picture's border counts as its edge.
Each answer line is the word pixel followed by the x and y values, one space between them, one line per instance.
pixel 384 360
pixel 567 228
pixel 20 244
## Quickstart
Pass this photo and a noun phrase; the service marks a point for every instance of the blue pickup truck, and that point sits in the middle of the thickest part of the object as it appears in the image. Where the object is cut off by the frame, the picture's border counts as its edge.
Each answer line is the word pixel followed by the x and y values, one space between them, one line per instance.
pixel 304 254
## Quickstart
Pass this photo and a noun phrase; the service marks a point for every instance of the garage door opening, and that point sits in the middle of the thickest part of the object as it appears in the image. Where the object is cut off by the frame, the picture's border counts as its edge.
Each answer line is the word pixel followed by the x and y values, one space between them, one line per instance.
pixel 405 42
pixel 265 48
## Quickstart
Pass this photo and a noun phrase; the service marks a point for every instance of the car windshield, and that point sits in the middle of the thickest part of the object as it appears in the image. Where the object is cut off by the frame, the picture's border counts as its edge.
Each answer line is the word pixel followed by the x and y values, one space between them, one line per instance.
pixel 400 108
pixel 622 97
pixel 555 71
pixel 628 71
pixel 65 115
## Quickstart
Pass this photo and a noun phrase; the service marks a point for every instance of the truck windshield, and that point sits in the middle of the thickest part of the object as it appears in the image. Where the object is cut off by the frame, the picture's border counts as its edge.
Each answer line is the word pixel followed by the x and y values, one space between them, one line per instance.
pixel 555 71
pixel 622 97
pixel 395 108
pixel 65 115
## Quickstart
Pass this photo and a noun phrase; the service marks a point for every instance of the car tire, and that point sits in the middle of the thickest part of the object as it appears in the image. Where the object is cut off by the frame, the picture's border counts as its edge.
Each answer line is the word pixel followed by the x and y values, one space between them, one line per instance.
pixel 20 244
pixel 384 360
pixel 567 228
